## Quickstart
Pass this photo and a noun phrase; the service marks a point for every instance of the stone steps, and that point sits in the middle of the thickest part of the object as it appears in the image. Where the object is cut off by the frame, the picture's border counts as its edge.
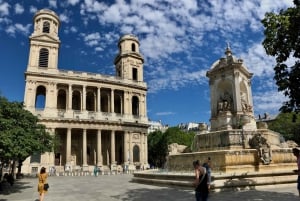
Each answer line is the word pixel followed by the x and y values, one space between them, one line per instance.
pixel 219 180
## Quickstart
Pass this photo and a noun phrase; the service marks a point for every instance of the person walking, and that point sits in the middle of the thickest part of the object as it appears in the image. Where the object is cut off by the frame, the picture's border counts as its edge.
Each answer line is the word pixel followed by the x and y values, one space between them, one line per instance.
pixel 296 153
pixel 208 167
pixel 42 176
pixel 201 182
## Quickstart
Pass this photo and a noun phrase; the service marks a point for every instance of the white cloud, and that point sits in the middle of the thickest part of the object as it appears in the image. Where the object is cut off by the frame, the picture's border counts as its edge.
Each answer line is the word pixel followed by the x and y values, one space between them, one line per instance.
pixel 164 113
pixel 257 61
pixel 268 101
pixel 91 39
pixel 73 2
pixel 19 9
pixel 18 28
pixel 98 49
pixel 4 8
pixel 168 28
pixel 32 9
pixel 53 3
pixel 64 18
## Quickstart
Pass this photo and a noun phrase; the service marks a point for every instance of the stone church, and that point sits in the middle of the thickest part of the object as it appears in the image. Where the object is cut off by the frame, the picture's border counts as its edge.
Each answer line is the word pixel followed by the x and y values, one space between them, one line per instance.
pixel 96 119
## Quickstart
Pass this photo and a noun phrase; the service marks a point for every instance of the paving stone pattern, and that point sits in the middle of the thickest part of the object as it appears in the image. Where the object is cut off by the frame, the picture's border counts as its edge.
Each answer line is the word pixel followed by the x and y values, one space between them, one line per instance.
pixel 120 187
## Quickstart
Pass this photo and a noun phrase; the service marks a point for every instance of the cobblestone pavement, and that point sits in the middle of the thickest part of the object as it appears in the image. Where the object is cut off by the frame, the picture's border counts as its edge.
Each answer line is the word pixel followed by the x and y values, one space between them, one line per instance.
pixel 120 187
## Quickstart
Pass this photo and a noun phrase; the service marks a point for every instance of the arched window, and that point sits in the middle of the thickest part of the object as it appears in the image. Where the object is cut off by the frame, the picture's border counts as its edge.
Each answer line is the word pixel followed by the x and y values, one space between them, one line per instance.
pixel 133 47
pixel 43 58
pixel 46 27
pixel 90 101
pixel 61 99
pixel 136 153
pixel 105 98
pixel 135 105
pixel 118 103
pixel 76 100
pixel 134 74
pixel 40 99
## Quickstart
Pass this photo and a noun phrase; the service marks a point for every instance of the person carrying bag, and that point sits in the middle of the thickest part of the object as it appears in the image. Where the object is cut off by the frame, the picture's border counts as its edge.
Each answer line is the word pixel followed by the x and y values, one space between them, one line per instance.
pixel 43 185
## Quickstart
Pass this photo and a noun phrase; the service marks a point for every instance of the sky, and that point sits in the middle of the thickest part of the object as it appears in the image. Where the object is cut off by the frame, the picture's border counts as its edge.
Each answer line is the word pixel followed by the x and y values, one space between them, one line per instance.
pixel 179 39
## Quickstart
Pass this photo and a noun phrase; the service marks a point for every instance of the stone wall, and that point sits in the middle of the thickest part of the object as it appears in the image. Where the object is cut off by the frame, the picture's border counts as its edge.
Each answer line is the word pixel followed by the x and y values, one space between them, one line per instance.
pixel 230 161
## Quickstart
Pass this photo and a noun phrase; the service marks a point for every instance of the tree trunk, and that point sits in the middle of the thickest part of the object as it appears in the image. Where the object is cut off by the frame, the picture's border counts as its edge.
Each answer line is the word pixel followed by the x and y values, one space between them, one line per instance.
pixel 19 174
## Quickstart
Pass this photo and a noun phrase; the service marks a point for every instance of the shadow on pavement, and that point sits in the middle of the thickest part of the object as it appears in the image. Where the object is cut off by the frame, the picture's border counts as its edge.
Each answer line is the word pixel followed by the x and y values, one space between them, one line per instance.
pixel 17 187
pixel 253 195
pixel 165 194
pixel 168 194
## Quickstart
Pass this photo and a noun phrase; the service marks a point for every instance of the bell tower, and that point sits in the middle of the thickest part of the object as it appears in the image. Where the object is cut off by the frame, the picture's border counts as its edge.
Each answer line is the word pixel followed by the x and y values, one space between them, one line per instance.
pixel 129 61
pixel 44 42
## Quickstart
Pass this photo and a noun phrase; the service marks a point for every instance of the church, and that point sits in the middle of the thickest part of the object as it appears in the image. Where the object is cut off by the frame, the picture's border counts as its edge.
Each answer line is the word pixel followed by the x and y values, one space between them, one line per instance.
pixel 97 120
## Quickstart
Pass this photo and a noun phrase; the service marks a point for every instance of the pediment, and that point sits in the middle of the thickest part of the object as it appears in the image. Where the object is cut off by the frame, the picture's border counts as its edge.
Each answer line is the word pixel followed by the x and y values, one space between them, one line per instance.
pixel 44 37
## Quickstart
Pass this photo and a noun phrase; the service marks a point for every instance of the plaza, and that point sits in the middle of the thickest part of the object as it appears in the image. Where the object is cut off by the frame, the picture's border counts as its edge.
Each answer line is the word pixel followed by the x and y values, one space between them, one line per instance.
pixel 120 187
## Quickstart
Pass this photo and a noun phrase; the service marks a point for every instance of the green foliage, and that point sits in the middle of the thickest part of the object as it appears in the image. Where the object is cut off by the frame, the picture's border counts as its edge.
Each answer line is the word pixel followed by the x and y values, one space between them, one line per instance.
pixel 176 135
pixel 283 42
pixel 288 125
pixel 20 133
pixel 158 144
pixel 157 148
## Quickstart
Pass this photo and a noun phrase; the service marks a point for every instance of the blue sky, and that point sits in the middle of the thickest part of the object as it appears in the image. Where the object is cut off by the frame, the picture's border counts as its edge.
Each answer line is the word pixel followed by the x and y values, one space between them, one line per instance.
pixel 179 39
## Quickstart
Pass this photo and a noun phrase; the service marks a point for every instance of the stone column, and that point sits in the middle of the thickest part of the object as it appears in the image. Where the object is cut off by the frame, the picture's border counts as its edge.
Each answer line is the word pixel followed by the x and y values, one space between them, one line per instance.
pixel 68 146
pixel 236 93
pixel 145 105
pixel 70 98
pixel 146 148
pixel 84 145
pixel 83 98
pixel 130 148
pixel 142 151
pixel 126 156
pixel 99 149
pixel 98 100
pixel 126 103
pixel 112 147
pixel 112 101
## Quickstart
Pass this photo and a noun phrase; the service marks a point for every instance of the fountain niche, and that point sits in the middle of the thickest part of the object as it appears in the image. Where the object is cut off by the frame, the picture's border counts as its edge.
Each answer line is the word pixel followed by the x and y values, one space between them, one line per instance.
pixel 236 143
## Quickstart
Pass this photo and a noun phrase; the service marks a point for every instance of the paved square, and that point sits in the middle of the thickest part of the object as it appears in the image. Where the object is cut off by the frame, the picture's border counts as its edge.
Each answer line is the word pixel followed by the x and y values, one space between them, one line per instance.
pixel 120 187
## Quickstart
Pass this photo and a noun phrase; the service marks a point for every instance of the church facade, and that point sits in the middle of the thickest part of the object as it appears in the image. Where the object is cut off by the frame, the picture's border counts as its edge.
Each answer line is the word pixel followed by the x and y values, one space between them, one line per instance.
pixel 96 119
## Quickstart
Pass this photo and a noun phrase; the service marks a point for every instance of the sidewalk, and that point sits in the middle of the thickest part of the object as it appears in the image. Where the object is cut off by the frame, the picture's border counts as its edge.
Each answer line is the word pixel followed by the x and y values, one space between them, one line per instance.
pixel 120 187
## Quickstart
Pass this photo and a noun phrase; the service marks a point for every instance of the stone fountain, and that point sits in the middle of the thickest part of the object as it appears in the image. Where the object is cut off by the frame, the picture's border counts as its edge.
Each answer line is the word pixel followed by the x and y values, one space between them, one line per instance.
pixel 235 142
pixel 243 152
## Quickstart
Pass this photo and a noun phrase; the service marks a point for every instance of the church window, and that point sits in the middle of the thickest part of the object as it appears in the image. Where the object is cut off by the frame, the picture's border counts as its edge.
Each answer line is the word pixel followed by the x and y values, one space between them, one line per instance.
pixel 134 74
pixel 43 57
pixel 40 98
pixel 136 153
pixel 76 100
pixel 46 27
pixel 133 47
pixel 135 105
pixel 61 100
pixel 90 101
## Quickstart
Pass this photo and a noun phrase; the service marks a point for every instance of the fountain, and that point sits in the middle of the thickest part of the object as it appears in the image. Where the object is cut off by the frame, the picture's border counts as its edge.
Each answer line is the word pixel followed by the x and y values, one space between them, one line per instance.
pixel 240 147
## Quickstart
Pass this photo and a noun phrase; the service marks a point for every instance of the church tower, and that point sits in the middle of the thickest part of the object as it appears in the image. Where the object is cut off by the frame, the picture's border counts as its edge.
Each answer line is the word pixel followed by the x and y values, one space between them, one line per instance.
pixel 44 42
pixel 231 96
pixel 129 61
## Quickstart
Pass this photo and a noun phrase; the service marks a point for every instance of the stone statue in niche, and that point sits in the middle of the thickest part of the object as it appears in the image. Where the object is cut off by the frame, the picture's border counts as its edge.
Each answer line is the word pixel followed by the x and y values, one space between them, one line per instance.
pixel 225 102
pixel 263 148
pixel 245 106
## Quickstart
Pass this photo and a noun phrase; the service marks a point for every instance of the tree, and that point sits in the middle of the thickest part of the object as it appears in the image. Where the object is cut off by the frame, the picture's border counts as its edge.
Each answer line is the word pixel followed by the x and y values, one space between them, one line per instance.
pixel 157 148
pixel 158 144
pixel 176 135
pixel 282 41
pixel 20 133
pixel 288 125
